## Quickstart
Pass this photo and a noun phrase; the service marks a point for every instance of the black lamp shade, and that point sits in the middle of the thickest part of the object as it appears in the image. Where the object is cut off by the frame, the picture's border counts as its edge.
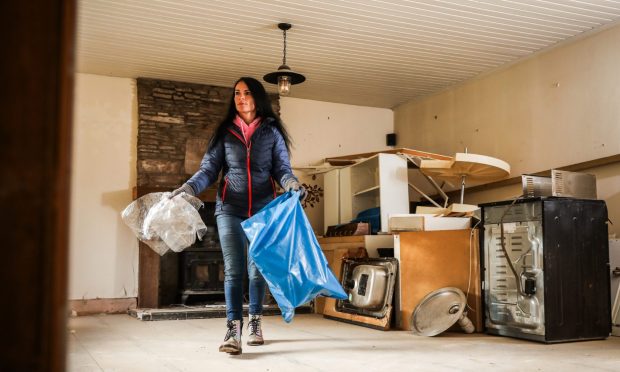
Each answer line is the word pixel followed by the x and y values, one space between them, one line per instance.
pixel 272 77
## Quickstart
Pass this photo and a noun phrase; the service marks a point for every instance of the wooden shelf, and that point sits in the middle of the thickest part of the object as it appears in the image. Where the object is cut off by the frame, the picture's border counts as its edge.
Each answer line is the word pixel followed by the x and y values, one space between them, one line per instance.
pixel 368 191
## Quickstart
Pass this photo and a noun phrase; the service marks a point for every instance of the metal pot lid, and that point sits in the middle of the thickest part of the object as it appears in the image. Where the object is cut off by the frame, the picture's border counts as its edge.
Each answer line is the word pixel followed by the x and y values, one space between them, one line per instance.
pixel 438 311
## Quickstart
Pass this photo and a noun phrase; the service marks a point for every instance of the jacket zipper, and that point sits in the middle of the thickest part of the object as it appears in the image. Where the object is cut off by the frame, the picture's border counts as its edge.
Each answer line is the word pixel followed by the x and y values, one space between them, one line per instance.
pixel 247 164
pixel 224 189
pixel 249 181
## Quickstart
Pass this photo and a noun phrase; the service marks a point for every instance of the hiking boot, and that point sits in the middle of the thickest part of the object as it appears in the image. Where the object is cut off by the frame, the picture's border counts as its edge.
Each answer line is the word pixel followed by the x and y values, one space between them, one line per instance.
pixel 232 341
pixel 256 332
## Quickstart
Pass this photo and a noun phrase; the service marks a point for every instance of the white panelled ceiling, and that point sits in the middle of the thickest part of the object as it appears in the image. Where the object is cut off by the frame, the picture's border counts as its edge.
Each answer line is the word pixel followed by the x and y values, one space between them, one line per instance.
pixel 364 52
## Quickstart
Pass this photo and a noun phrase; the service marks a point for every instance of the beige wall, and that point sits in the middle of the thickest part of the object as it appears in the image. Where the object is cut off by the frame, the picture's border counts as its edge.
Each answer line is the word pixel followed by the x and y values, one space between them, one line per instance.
pixel 555 109
pixel 103 251
pixel 324 129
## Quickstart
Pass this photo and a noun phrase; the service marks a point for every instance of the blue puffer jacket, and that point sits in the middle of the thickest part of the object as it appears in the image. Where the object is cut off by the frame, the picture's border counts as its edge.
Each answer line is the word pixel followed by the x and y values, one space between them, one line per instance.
pixel 249 170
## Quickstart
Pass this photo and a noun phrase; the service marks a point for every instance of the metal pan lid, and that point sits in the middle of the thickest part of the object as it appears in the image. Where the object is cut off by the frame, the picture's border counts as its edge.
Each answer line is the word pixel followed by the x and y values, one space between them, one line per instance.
pixel 438 311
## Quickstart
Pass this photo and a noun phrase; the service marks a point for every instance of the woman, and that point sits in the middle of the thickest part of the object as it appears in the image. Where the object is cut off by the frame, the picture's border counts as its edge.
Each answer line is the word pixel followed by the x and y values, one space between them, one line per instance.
pixel 250 148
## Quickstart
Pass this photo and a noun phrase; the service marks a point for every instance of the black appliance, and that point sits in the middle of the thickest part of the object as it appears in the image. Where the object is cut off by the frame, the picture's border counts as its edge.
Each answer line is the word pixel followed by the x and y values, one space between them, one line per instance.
pixel 549 280
pixel 201 266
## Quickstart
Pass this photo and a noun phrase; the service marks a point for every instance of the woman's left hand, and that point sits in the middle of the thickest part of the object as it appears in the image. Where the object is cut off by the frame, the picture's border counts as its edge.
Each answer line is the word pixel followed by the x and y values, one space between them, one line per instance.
pixel 293 185
pixel 302 193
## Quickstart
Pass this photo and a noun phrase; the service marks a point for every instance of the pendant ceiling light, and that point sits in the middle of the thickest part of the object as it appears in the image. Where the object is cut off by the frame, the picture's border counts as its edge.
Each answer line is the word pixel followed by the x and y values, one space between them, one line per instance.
pixel 284 77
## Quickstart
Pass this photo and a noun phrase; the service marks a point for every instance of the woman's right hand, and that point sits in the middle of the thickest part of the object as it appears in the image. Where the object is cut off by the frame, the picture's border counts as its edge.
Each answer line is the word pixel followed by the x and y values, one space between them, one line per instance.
pixel 184 188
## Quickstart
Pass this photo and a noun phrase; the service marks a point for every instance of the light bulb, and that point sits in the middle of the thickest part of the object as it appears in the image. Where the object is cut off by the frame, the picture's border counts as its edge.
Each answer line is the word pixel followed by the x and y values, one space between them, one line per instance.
pixel 284 85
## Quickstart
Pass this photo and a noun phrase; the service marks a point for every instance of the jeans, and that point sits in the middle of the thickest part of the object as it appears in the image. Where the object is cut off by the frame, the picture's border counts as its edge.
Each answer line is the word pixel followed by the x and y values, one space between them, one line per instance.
pixel 234 248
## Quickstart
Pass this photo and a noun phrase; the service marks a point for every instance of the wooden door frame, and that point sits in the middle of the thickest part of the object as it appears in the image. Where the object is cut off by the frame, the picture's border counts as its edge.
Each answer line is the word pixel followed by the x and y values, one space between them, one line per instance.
pixel 35 168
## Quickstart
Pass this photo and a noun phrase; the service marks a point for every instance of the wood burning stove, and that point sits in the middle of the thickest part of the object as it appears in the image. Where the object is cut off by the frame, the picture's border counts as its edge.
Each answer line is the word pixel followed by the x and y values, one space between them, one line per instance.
pixel 202 272
pixel 201 266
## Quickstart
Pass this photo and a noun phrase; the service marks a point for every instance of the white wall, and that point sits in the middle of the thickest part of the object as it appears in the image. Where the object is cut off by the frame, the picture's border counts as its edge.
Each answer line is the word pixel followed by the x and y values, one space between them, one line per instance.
pixel 322 129
pixel 552 110
pixel 103 251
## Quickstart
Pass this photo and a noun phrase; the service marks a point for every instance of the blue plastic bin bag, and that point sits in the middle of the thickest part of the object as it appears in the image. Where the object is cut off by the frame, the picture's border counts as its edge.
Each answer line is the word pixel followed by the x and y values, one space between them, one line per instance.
pixel 286 252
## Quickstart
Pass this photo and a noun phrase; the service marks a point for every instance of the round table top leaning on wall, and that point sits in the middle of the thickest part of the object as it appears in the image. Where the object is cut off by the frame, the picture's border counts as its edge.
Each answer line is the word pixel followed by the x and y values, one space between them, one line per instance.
pixel 475 168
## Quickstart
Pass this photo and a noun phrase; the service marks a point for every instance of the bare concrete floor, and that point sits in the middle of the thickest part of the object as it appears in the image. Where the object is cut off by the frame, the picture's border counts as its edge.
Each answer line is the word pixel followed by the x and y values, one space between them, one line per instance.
pixel 311 343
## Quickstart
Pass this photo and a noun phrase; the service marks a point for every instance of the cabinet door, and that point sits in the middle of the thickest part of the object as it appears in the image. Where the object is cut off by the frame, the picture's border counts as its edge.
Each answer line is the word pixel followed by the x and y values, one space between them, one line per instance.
pixel 331 201
pixel 346 199
pixel 394 187
pixel 429 260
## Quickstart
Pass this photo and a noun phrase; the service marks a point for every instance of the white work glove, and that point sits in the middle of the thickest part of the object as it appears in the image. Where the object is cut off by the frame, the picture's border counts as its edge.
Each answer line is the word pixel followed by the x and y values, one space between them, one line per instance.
pixel 293 185
pixel 184 188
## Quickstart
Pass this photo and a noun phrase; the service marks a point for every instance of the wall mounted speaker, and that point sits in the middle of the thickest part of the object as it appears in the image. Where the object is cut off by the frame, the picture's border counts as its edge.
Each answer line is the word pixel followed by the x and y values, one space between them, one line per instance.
pixel 390 139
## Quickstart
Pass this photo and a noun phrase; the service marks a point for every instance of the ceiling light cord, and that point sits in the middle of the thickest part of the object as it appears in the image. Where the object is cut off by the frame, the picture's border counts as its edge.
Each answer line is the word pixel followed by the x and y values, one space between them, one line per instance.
pixel 284 52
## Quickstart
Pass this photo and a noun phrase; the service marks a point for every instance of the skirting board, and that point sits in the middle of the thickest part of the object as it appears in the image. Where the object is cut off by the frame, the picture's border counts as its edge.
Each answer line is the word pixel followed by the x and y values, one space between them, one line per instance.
pixel 102 305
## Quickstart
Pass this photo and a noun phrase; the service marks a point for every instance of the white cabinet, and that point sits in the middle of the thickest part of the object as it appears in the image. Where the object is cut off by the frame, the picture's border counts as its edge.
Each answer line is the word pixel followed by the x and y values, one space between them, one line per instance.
pixel 379 181
pixel 331 198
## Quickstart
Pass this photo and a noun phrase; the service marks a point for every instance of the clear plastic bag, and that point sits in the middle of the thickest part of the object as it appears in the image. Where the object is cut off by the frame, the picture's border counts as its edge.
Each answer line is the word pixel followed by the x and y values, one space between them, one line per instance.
pixel 175 221
pixel 165 223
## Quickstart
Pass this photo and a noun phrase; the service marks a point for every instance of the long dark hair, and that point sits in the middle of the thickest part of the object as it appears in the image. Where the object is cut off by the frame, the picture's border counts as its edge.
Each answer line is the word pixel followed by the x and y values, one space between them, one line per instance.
pixel 263 109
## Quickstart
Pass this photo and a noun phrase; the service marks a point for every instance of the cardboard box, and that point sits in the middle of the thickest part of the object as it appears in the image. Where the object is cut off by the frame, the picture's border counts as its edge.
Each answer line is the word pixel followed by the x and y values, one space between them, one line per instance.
pixel 426 222
pixel 405 222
